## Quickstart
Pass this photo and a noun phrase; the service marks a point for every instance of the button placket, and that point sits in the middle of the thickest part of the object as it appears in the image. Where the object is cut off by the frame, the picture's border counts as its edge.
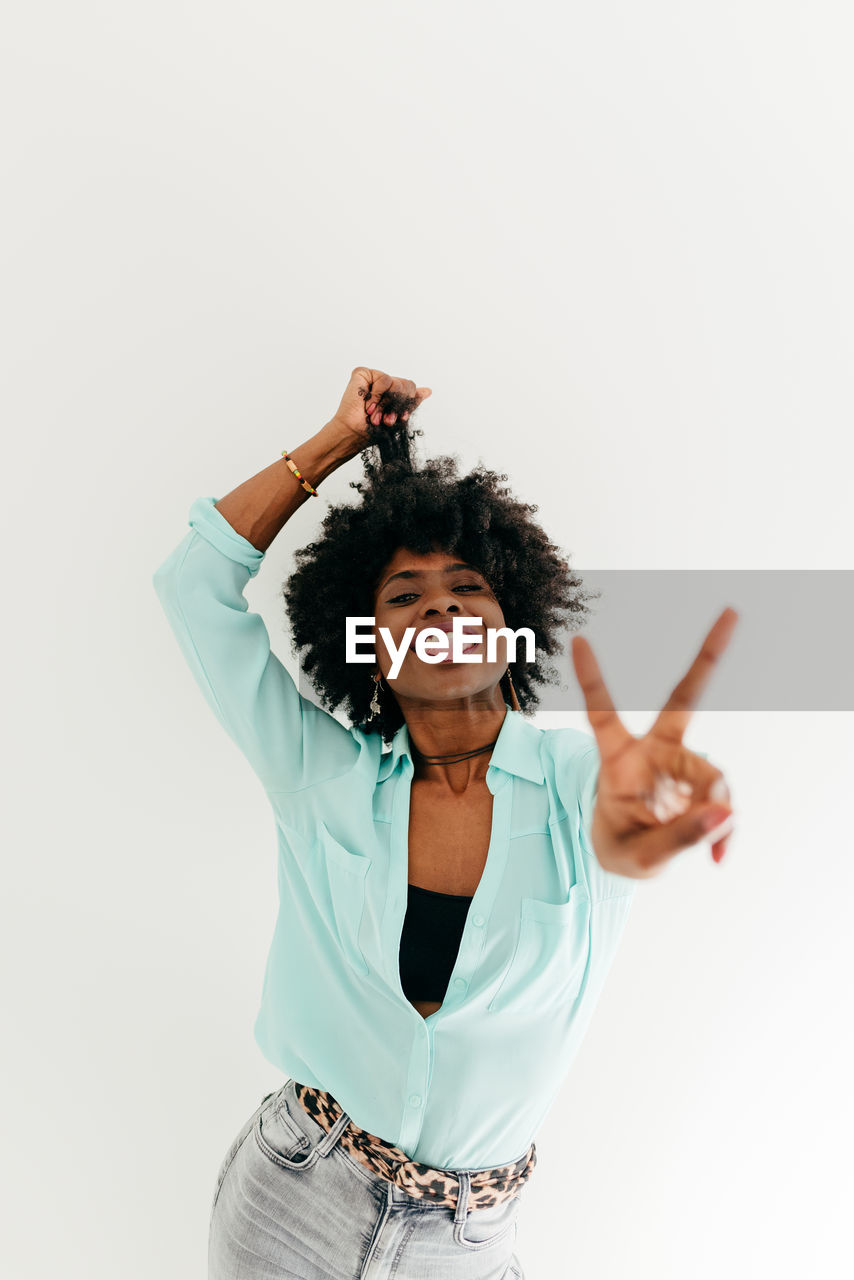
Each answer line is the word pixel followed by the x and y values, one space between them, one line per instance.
pixel 471 942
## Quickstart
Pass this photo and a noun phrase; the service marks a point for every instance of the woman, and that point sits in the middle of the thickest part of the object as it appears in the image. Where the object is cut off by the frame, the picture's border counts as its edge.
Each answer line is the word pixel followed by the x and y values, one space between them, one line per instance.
pixel 449 909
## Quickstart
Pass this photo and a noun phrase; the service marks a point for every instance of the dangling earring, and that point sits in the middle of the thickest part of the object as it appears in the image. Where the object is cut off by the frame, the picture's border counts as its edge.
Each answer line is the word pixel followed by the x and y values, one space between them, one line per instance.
pixel 514 701
pixel 375 700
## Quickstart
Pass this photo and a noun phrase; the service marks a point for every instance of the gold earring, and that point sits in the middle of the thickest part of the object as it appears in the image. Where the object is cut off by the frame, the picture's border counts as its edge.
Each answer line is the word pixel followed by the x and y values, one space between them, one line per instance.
pixel 375 700
pixel 514 701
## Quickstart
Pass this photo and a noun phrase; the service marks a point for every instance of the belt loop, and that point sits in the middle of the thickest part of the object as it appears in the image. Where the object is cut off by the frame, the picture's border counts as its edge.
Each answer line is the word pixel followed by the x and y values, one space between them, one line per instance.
pixel 462 1198
pixel 327 1142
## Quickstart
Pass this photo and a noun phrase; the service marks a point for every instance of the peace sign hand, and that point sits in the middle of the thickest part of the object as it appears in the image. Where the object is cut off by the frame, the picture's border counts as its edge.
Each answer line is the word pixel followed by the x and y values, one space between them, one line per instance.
pixel 655 797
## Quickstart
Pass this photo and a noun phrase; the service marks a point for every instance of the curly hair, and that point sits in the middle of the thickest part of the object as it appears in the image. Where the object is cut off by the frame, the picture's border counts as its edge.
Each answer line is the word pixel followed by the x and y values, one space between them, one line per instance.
pixel 423 508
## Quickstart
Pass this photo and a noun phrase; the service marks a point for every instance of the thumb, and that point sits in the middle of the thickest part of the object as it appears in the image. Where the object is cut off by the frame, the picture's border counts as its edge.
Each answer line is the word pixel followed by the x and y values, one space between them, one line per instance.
pixel 656 844
pixel 421 393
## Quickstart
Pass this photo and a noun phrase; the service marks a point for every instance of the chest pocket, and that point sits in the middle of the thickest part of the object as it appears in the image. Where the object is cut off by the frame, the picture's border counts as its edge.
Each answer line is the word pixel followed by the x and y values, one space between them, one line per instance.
pixel 550 957
pixel 346 873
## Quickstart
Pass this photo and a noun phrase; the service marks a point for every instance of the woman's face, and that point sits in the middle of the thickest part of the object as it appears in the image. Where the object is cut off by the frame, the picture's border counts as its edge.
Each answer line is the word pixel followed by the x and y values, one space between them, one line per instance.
pixel 424 591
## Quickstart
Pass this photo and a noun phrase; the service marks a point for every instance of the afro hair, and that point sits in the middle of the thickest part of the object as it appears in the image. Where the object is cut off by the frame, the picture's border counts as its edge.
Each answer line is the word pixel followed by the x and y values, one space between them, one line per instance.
pixel 424 508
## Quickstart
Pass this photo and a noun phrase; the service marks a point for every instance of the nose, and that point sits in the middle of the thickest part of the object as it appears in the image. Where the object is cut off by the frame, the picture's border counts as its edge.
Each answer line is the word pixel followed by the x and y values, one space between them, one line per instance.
pixel 439 599
pixel 453 605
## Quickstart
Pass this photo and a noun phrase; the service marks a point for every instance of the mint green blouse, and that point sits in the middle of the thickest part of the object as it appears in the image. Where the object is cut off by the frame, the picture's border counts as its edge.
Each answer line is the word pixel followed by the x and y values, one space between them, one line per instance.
pixel 467 1087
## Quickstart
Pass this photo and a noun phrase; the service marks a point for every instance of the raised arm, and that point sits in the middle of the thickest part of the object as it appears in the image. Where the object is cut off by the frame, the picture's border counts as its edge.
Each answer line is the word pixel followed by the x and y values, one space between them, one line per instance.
pixel 287 739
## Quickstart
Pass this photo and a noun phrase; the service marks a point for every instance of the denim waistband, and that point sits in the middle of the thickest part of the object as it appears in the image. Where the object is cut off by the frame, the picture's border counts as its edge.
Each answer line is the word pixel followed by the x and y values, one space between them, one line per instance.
pixel 487 1187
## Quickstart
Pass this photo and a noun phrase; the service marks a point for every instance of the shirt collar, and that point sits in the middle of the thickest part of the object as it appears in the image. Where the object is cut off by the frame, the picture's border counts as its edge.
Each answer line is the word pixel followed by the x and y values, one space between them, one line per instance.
pixel 517 749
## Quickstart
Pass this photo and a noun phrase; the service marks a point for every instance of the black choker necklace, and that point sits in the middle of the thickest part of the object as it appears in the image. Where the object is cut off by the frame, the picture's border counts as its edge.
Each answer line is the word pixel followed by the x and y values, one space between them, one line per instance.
pixel 451 759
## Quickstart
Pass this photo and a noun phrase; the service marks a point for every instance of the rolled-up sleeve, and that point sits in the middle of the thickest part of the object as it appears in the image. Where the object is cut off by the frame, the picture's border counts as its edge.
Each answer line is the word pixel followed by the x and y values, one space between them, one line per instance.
pixel 289 741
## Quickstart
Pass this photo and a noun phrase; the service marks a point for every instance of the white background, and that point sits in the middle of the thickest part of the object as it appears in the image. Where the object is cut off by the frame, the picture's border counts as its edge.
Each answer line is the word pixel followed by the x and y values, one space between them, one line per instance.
pixel 615 239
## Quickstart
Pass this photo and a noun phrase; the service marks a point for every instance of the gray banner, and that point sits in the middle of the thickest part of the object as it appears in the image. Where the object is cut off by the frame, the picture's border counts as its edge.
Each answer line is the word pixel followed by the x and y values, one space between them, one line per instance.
pixel 791 649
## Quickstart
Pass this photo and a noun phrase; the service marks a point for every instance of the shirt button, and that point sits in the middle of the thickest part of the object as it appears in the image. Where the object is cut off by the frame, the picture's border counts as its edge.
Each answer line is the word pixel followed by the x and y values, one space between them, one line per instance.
pixel 478 919
pixel 459 983
pixel 415 1099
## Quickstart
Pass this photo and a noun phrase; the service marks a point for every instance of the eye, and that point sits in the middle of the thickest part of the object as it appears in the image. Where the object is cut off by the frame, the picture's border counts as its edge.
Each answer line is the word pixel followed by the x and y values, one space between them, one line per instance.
pixel 463 586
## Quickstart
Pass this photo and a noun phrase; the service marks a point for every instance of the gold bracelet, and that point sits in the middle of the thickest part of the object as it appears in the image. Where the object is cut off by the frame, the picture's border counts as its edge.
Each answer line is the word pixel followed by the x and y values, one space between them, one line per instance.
pixel 309 488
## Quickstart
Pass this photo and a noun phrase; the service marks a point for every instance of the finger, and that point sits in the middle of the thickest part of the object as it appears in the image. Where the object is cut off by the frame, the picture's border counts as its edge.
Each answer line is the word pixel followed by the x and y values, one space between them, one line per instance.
pixel 669 798
pixel 611 734
pixel 398 390
pixel 380 383
pixel 682 779
pixel 657 845
pixel 421 393
pixel 402 389
pixel 672 790
pixel 676 713
pixel 719 848
pixel 362 374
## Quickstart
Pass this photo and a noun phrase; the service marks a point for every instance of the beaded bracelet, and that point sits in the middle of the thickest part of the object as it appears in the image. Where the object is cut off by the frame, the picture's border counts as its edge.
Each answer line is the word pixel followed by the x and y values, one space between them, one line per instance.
pixel 309 488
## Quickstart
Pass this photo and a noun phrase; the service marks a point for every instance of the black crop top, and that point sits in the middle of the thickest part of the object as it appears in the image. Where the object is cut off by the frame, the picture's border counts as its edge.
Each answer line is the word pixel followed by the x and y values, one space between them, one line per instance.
pixel 429 942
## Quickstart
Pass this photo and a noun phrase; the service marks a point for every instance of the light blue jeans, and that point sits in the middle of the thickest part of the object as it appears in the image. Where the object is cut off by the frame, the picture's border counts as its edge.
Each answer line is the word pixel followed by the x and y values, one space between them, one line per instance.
pixel 290 1204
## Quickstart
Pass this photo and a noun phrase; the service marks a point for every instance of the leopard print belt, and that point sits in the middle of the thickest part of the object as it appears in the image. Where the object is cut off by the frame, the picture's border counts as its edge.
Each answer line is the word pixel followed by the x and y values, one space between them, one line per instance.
pixel 488 1186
